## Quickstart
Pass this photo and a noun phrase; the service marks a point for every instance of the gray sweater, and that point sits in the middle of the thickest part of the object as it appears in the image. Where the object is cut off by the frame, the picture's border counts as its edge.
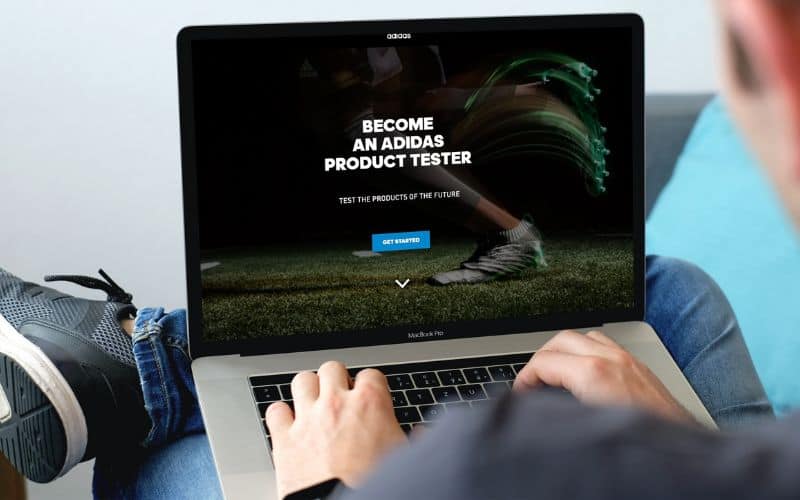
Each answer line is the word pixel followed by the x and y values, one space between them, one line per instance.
pixel 548 446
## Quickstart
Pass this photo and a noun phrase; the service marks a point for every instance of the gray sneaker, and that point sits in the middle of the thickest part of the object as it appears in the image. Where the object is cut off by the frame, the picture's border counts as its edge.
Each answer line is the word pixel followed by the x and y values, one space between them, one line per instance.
pixel 502 255
pixel 68 380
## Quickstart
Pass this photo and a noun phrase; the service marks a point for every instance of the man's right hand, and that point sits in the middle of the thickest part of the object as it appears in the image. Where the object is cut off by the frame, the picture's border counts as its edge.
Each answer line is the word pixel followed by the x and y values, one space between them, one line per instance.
pixel 597 370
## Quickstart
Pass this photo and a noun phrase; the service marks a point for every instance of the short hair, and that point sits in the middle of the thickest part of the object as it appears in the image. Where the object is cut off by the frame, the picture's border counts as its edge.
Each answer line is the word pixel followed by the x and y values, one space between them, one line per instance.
pixel 743 68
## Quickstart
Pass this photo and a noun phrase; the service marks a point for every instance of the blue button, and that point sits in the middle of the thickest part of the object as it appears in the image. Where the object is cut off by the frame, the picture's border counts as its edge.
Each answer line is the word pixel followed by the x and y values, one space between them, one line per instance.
pixel 392 242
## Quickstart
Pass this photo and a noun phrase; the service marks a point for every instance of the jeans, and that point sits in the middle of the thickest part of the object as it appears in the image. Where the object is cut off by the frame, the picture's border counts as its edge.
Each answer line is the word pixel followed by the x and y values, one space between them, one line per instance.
pixel 685 307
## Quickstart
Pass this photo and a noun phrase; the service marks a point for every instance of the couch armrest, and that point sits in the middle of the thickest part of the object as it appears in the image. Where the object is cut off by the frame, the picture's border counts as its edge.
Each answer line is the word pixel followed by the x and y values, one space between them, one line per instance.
pixel 669 119
pixel 12 485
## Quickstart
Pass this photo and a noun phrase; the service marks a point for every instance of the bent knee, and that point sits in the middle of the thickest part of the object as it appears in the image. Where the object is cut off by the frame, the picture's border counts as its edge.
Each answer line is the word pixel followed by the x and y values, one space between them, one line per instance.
pixel 680 281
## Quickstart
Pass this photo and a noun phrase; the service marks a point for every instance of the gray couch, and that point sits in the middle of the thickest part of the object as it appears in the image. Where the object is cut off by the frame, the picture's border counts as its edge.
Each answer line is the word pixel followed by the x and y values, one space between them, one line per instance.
pixel 669 119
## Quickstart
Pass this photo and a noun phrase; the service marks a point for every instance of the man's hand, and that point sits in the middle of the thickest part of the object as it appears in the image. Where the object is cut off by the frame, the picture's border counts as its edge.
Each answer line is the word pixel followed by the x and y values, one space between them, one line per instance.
pixel 335 431
pixel 597 370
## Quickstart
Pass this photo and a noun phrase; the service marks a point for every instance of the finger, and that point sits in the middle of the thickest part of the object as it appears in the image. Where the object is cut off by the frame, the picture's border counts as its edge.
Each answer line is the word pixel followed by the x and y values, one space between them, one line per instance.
pixel 555 369
pixel 572 342
pixel 305 390
pixel 333 377
pixel 602 338
pixel 371 376
pixel 278 417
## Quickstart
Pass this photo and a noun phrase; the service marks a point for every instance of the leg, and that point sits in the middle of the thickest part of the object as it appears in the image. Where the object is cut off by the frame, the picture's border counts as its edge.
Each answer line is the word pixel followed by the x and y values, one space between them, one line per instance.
pixel 75 385
pixel 182 469
pixel 176 460
pixel 693 318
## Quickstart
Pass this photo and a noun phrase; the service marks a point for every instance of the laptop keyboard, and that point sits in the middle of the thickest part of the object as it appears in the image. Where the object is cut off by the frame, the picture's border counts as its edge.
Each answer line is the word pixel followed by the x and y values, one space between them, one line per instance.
pixel 421 392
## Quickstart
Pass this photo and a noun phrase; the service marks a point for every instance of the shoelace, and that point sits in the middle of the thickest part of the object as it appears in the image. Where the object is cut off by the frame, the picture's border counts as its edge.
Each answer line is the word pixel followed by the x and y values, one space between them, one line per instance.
pixel 115 292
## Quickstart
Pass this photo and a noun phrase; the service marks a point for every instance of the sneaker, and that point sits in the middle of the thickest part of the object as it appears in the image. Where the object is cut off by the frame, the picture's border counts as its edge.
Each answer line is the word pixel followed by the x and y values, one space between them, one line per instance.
pixel 68 380
pixel 502 255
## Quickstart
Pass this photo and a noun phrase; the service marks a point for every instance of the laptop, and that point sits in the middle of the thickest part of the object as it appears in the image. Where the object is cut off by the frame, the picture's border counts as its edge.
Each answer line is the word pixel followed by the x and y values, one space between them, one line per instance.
pixel 433 198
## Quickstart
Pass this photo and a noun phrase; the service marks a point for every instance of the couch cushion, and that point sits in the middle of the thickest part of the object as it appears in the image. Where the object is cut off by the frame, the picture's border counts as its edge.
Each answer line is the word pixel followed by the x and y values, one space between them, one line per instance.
pixel 719 211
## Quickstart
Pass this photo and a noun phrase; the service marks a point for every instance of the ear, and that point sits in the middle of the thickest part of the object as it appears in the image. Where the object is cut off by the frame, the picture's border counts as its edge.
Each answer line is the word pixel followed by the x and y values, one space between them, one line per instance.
pixel 770 33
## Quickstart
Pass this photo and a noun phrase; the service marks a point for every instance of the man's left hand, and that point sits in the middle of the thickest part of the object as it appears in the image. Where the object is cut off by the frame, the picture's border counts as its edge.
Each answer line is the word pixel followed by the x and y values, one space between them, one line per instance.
pixel 335 431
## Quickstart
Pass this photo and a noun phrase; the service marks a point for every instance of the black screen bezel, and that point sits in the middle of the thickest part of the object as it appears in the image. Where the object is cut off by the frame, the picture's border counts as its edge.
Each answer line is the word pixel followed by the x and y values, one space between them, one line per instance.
pixel 379 29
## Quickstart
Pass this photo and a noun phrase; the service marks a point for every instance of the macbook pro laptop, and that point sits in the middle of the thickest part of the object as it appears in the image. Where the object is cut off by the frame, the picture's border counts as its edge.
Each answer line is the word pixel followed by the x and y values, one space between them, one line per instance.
pixel 433 198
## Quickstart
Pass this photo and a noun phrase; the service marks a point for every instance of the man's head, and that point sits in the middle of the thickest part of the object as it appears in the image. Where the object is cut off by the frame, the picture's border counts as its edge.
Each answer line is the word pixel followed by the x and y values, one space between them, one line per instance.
pixel 761 77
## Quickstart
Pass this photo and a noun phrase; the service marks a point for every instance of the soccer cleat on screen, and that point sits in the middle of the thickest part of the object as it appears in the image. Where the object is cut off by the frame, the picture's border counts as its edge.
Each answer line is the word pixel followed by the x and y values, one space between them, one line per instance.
pixel 68 379
pixel 502 255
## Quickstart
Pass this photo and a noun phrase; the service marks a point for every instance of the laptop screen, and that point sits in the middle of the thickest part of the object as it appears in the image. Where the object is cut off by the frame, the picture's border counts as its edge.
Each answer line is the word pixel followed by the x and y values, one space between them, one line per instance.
pixel 373 189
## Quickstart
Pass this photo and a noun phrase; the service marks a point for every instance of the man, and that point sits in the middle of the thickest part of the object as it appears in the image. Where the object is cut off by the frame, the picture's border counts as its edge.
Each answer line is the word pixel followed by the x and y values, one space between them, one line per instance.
pixel 532 445
pixel 526 448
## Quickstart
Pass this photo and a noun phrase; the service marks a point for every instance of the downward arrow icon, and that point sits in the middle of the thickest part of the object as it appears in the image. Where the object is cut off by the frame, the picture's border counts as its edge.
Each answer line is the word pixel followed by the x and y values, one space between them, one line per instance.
pixel 402 284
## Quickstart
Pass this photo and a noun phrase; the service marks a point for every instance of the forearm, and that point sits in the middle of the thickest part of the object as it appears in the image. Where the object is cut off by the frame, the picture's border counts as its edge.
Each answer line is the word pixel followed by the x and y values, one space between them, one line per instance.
pixel 559 449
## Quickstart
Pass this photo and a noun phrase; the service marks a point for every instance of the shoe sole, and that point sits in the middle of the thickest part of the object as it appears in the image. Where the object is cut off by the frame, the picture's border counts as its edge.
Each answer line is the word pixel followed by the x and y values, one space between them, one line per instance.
pixel 42 426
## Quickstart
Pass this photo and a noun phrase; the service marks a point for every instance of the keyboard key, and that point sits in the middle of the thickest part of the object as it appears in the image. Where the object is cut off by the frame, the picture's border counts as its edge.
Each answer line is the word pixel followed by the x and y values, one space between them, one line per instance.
pixel 501 373
pixel 477 375
pixel 420 397
pixel 399 399
pixel 407 414
pixel 456 406
pixel 518 368
pixel 426 379
pixel 399 382
pixel 286 391
pixel 283 378
pixel 419 427
pixel 406 428
pixel 452 377
pixel 431 412
pixel 496 389
pixel 471 392
pixel 264 424
pixel 266 393
pixel 446 394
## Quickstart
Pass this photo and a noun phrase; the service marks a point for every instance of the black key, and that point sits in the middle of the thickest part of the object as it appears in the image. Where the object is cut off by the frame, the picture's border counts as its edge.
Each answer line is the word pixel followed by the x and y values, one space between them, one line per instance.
pixel 400 381
pixel 503 372
pixel 495 389
pixel 471 392
pixel 264 423
pixel 426 379
pixel 451 377
pixel 267 393
pixel 286 391
pixel 456 406
pixel 431 412
pixel 406 428
pixel 477 375
pixel 446 394
pixel 283 378
pixel 420 396
pixel 419 427
pixel 269 441
pixel 407 414
pixel 399 399
pixel 518 368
